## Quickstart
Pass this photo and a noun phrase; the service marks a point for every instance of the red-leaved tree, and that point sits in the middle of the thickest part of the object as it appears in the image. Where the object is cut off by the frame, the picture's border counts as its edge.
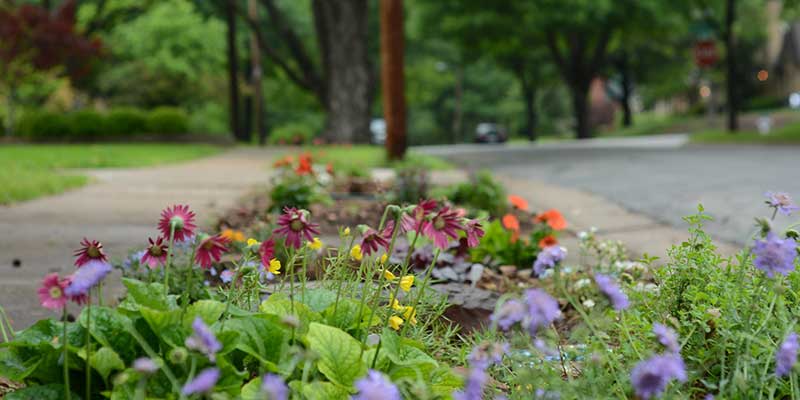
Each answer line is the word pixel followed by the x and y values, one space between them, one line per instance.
pixel 34 39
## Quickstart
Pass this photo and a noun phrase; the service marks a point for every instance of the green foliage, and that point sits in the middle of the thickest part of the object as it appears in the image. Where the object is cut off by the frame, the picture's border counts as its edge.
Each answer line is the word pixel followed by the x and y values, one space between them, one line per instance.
pixel 126 122
pixel 481 192
pixel 44 126
pixel 295 133
pixel 167 121
pixel 411 184
pixel 87 125
pixel 295 191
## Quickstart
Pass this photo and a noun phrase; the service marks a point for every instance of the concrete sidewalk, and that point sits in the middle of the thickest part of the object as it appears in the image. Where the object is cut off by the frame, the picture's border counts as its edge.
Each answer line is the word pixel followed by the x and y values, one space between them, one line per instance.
pixel 119 208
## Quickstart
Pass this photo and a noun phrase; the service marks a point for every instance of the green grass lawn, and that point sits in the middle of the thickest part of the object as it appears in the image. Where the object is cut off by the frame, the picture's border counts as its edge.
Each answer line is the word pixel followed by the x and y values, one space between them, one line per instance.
pixel 789 134
pixel 30 171
pixel 365 157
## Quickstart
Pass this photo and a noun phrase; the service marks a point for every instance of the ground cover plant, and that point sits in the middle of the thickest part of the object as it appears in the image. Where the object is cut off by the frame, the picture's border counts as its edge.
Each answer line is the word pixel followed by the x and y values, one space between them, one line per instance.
pixel 30 171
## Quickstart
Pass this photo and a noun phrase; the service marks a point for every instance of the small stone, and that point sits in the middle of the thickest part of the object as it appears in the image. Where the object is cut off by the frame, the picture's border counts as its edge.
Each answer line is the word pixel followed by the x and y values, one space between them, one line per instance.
pixel 524 274
pixel 475 274
pixel 508 270
pixel 445 273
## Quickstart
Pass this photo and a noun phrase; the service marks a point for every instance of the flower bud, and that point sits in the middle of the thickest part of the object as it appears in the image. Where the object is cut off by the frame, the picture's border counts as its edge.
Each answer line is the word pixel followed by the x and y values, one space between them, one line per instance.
pixel 178 355
pixel 791 233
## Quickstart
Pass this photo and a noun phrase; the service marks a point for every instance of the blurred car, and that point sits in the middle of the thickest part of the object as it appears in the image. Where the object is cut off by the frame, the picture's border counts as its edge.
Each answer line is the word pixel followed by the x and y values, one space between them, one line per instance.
pixel 488 132
pixel 377 130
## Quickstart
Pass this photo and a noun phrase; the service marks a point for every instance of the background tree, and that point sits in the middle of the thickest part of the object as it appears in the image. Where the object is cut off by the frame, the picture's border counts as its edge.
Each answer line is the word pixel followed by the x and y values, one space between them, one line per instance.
pixel 393 77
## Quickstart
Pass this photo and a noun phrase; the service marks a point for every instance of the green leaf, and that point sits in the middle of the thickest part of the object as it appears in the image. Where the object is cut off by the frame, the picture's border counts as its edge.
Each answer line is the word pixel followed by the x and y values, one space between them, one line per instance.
pixel 44 392
pixel 15 367
pixel 443 381
pixel 339 354
pixel 281 306
pixel 111 329
pixel 324 391
pixel 401 353
pixel 106 360
pixel 166 324
pixel 319 299
pixel 44 333
pixel 263 337
pixel 252 390
pixel 346 316
pixel 151 295
pixel 208 310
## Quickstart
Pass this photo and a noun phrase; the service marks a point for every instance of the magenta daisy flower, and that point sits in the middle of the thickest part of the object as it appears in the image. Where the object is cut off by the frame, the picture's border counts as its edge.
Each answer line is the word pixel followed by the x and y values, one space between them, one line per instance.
pixel 155 254
pixel 474 232
pixel 210 250
pixel 182 218
pixel 416 220
pixel 266 251
pixel 445 224
pixel 51 294
pixel 372 240
pixel 295 226
pixel 90 250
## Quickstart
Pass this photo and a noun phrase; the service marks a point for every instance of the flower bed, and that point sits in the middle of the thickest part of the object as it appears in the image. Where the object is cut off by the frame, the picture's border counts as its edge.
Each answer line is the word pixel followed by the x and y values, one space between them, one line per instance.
pixel 226 315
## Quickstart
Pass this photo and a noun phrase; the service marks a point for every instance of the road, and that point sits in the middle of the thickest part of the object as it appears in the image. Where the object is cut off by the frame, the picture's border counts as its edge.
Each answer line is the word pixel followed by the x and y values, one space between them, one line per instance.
pixel 664 177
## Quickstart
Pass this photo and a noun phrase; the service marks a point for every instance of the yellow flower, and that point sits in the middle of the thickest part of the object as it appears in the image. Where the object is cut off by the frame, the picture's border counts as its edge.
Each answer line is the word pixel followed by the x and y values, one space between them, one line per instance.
pixel 355 252
pixel 238 236
pixel 315 244
pixel 395 322
pixel 406 282
pixel 411 315
pixel 384 257
pixel 227 234
pixel 388 275
pixel 396 305
pixel 252 242
pixel 275 266
pixel 347 231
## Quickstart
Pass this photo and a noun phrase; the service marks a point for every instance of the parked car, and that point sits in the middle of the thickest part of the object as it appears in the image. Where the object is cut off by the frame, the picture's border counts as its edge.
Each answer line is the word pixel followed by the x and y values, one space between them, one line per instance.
pixel 488 132
pixel 377 129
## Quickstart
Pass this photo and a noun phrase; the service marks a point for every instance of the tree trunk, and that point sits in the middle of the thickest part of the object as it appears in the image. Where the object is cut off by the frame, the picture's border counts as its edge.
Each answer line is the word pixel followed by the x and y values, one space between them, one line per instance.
pixel 233 71
pixel 580 108
pixel 392 77
pixel 342 36
pixel 531 119
pixel 247 99
pixel 730 56
pixel 627 89
pixel 255 77
pixel 458 107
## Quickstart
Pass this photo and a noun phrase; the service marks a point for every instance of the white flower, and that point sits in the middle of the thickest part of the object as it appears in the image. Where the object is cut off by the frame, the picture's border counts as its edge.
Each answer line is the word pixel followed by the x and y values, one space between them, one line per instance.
pixel 588 303
pixel 581 283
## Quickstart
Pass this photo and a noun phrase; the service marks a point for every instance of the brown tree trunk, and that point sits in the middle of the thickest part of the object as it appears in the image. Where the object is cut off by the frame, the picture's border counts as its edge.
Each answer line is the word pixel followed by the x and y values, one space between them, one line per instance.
pixel 730 56
pixel 625 96
pixel 342 36
pixel 580 107
pixel 529 96
pixel 392 77
pixel 233 70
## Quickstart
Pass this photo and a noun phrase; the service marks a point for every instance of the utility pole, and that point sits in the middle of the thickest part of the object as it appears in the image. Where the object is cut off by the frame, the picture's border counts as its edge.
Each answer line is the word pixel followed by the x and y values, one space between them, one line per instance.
pixel 392 77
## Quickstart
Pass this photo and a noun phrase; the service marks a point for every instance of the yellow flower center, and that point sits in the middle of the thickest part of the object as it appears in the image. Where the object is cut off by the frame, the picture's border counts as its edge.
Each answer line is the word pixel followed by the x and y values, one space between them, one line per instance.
pixel 296 225
pixel 155 251
pixel 438 223
pixel 93 251
pixel 56 292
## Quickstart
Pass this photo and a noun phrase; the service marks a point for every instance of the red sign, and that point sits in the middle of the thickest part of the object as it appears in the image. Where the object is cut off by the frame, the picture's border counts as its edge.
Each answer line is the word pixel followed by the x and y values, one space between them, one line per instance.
pixel 705 53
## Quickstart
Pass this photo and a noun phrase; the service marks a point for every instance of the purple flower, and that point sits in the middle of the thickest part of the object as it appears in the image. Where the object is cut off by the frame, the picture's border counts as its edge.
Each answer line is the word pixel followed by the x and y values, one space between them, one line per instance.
pixel 781 202
pixel 510 313
pixel 203 340
pixel 443 226
pixel 226 276
pixel 786 356
pixel 473 388
pixel 375 387
pixel 202 383
pixel 542 309
pixel 87 277
pixel 474 232
pixel 373 240
pixel 548 258
pixel 145 366
pixel 667 337
pixel 775 255
pixel 618 299
pixel 294 225
pixel 487 353
pixel 651 377
pixel 274 387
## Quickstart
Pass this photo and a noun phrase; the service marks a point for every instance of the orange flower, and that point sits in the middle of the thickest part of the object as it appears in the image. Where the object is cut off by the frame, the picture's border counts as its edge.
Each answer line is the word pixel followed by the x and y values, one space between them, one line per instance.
pixel 304 165
pixel 553 218
pixel 283 162
pixel 511 222
pixel 329 168
pixel 518 202
pixel 548 241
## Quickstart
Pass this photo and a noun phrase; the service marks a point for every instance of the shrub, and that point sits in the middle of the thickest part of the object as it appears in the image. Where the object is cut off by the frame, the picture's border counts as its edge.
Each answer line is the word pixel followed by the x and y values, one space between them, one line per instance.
pixel 87 125
pixel 126 121
pixel 167 121
pixel 481 192
pixel 411 184
pixel 44 126
pixel 296 133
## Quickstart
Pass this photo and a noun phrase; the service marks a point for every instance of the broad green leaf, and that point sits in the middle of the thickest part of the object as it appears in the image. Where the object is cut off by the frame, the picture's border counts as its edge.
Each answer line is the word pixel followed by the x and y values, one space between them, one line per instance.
pixel 264 337
pixel 339 354
pixel 345 315
pixel 111 329
pixel 166 324
pixel 149 294
pixel 443 381
pixel 252 390
pixel 15 367
pixel 208 310
pixel 106 360
pixel 318 299
pixel 324 391
pixel 45 333
pixel 281 306
pixel 44 392
pixel 413 372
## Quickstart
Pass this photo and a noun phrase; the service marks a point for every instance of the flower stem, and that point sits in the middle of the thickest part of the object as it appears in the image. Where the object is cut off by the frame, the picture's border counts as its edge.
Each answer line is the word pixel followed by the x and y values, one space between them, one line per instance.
pixel 89 347
pixel 67 391
pixel 168 265
pixel 422 287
